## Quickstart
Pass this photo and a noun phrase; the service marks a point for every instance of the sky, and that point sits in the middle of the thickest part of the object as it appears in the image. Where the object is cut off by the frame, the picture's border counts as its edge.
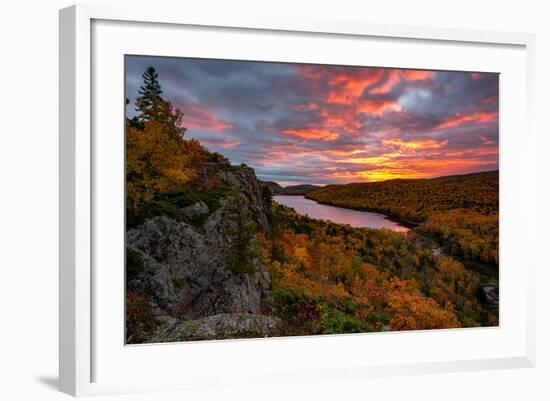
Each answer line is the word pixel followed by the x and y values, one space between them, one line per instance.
pixel 325 124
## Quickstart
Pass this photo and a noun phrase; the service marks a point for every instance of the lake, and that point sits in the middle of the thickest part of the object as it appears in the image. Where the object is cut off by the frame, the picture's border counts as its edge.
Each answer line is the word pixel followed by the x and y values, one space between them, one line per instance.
pixel 339 215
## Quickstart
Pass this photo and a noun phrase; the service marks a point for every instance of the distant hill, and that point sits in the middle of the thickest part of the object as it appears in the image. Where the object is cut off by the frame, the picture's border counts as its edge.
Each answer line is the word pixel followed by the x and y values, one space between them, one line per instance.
pixel 299 189
pixel 275 188
pixel 414 200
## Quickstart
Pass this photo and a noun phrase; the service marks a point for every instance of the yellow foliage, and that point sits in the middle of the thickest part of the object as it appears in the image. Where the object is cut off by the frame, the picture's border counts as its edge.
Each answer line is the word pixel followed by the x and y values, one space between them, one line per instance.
pixel 376 276
pixel 413 311
pixel 302 255
pixel 155 162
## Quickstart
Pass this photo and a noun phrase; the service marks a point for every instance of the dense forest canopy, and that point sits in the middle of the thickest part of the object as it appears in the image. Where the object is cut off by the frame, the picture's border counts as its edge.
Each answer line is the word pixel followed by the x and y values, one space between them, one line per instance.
pixel 351 279
pixel 460 212
pixel 415 200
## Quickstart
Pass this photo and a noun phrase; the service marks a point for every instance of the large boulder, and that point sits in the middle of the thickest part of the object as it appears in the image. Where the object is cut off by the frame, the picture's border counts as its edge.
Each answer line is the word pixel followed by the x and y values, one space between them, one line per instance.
pixel 186 272
pixel 221 326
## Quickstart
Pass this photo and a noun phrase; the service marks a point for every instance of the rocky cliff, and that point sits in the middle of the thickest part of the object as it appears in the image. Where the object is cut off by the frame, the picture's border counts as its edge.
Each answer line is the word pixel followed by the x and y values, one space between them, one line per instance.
pixel 205 271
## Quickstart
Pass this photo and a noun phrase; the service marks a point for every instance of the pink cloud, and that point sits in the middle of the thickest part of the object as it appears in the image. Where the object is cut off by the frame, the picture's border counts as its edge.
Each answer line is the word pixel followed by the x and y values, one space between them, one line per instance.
pixel 460 119
pixel 395 76
pixel 200 118
pixel 378 106
pixel 312 133
pixel 221 143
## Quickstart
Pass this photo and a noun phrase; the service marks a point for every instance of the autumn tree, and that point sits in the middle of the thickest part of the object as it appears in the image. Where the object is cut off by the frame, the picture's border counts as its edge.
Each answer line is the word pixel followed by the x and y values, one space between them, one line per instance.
pixel 413 311
pixel 155 162
pixel 157 157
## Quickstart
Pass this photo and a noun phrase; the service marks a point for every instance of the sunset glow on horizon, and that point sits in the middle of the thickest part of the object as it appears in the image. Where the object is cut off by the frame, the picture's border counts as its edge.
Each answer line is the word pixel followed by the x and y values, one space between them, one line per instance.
pixel 318 124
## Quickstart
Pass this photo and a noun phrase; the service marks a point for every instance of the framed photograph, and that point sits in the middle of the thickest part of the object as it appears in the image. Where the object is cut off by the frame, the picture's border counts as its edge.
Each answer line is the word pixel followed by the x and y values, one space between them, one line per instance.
pixel 270 200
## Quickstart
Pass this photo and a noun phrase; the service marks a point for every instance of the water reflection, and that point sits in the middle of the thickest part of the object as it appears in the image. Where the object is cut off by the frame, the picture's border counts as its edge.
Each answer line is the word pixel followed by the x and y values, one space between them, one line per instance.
pixel 354 218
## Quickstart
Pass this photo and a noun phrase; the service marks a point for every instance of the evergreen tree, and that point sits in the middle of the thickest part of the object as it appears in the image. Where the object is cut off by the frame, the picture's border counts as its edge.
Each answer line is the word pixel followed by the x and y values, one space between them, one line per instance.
pixel 149 95
pixel 243 247
pixel 151 106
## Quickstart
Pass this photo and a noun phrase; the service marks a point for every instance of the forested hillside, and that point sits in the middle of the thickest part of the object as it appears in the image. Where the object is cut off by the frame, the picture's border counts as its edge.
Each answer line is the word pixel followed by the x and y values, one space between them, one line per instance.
pixel 330 278
pixel 299 189
pixel 416 200
pixel 460 213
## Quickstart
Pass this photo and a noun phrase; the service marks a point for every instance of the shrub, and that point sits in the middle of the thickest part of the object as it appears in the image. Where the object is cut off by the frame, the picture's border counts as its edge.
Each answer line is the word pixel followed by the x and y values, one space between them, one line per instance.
pixel 140 319
pixel 170 204
pixel 337 322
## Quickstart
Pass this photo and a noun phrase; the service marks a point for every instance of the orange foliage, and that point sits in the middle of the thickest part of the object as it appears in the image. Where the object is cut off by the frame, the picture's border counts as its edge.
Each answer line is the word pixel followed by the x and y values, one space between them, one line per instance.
pixel 386 279
pixel 156 162
pixel 413 311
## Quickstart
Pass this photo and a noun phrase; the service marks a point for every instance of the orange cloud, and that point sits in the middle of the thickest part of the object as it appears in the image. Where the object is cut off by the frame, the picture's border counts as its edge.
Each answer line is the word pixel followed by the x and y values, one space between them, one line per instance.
pixel 416 75
pixel 460 119
pixel 312 133
pixel 393 165
pixel 473 154
pixel 378 174
pixel 334 117
pixel 392 79
pixel 345 83
pixel 340 152
pixel 346 86
pixel 384 174
pixel 382 168
pixel 394 76
pixel 200 118
pixel 415 144
pixel 385 159
pixel 378 106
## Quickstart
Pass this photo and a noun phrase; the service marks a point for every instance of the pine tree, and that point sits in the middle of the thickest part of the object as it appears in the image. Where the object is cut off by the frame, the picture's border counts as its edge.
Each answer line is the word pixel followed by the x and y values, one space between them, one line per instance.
pixel 149 99
pixel 151 106
pixel 243 249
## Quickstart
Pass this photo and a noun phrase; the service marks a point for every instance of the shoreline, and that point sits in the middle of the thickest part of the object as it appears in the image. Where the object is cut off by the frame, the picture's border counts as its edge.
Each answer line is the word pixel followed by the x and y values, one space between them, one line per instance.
pixel 392 217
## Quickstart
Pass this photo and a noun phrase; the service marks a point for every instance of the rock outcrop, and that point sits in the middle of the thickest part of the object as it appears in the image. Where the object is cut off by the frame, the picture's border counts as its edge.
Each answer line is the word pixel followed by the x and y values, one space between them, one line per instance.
pixel 243 179
pixel 222 326
pixel 195 210
pixel 190 271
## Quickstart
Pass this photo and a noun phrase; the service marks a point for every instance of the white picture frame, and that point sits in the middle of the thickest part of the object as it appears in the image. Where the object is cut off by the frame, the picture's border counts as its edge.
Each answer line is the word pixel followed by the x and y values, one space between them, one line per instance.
pixel 80 349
